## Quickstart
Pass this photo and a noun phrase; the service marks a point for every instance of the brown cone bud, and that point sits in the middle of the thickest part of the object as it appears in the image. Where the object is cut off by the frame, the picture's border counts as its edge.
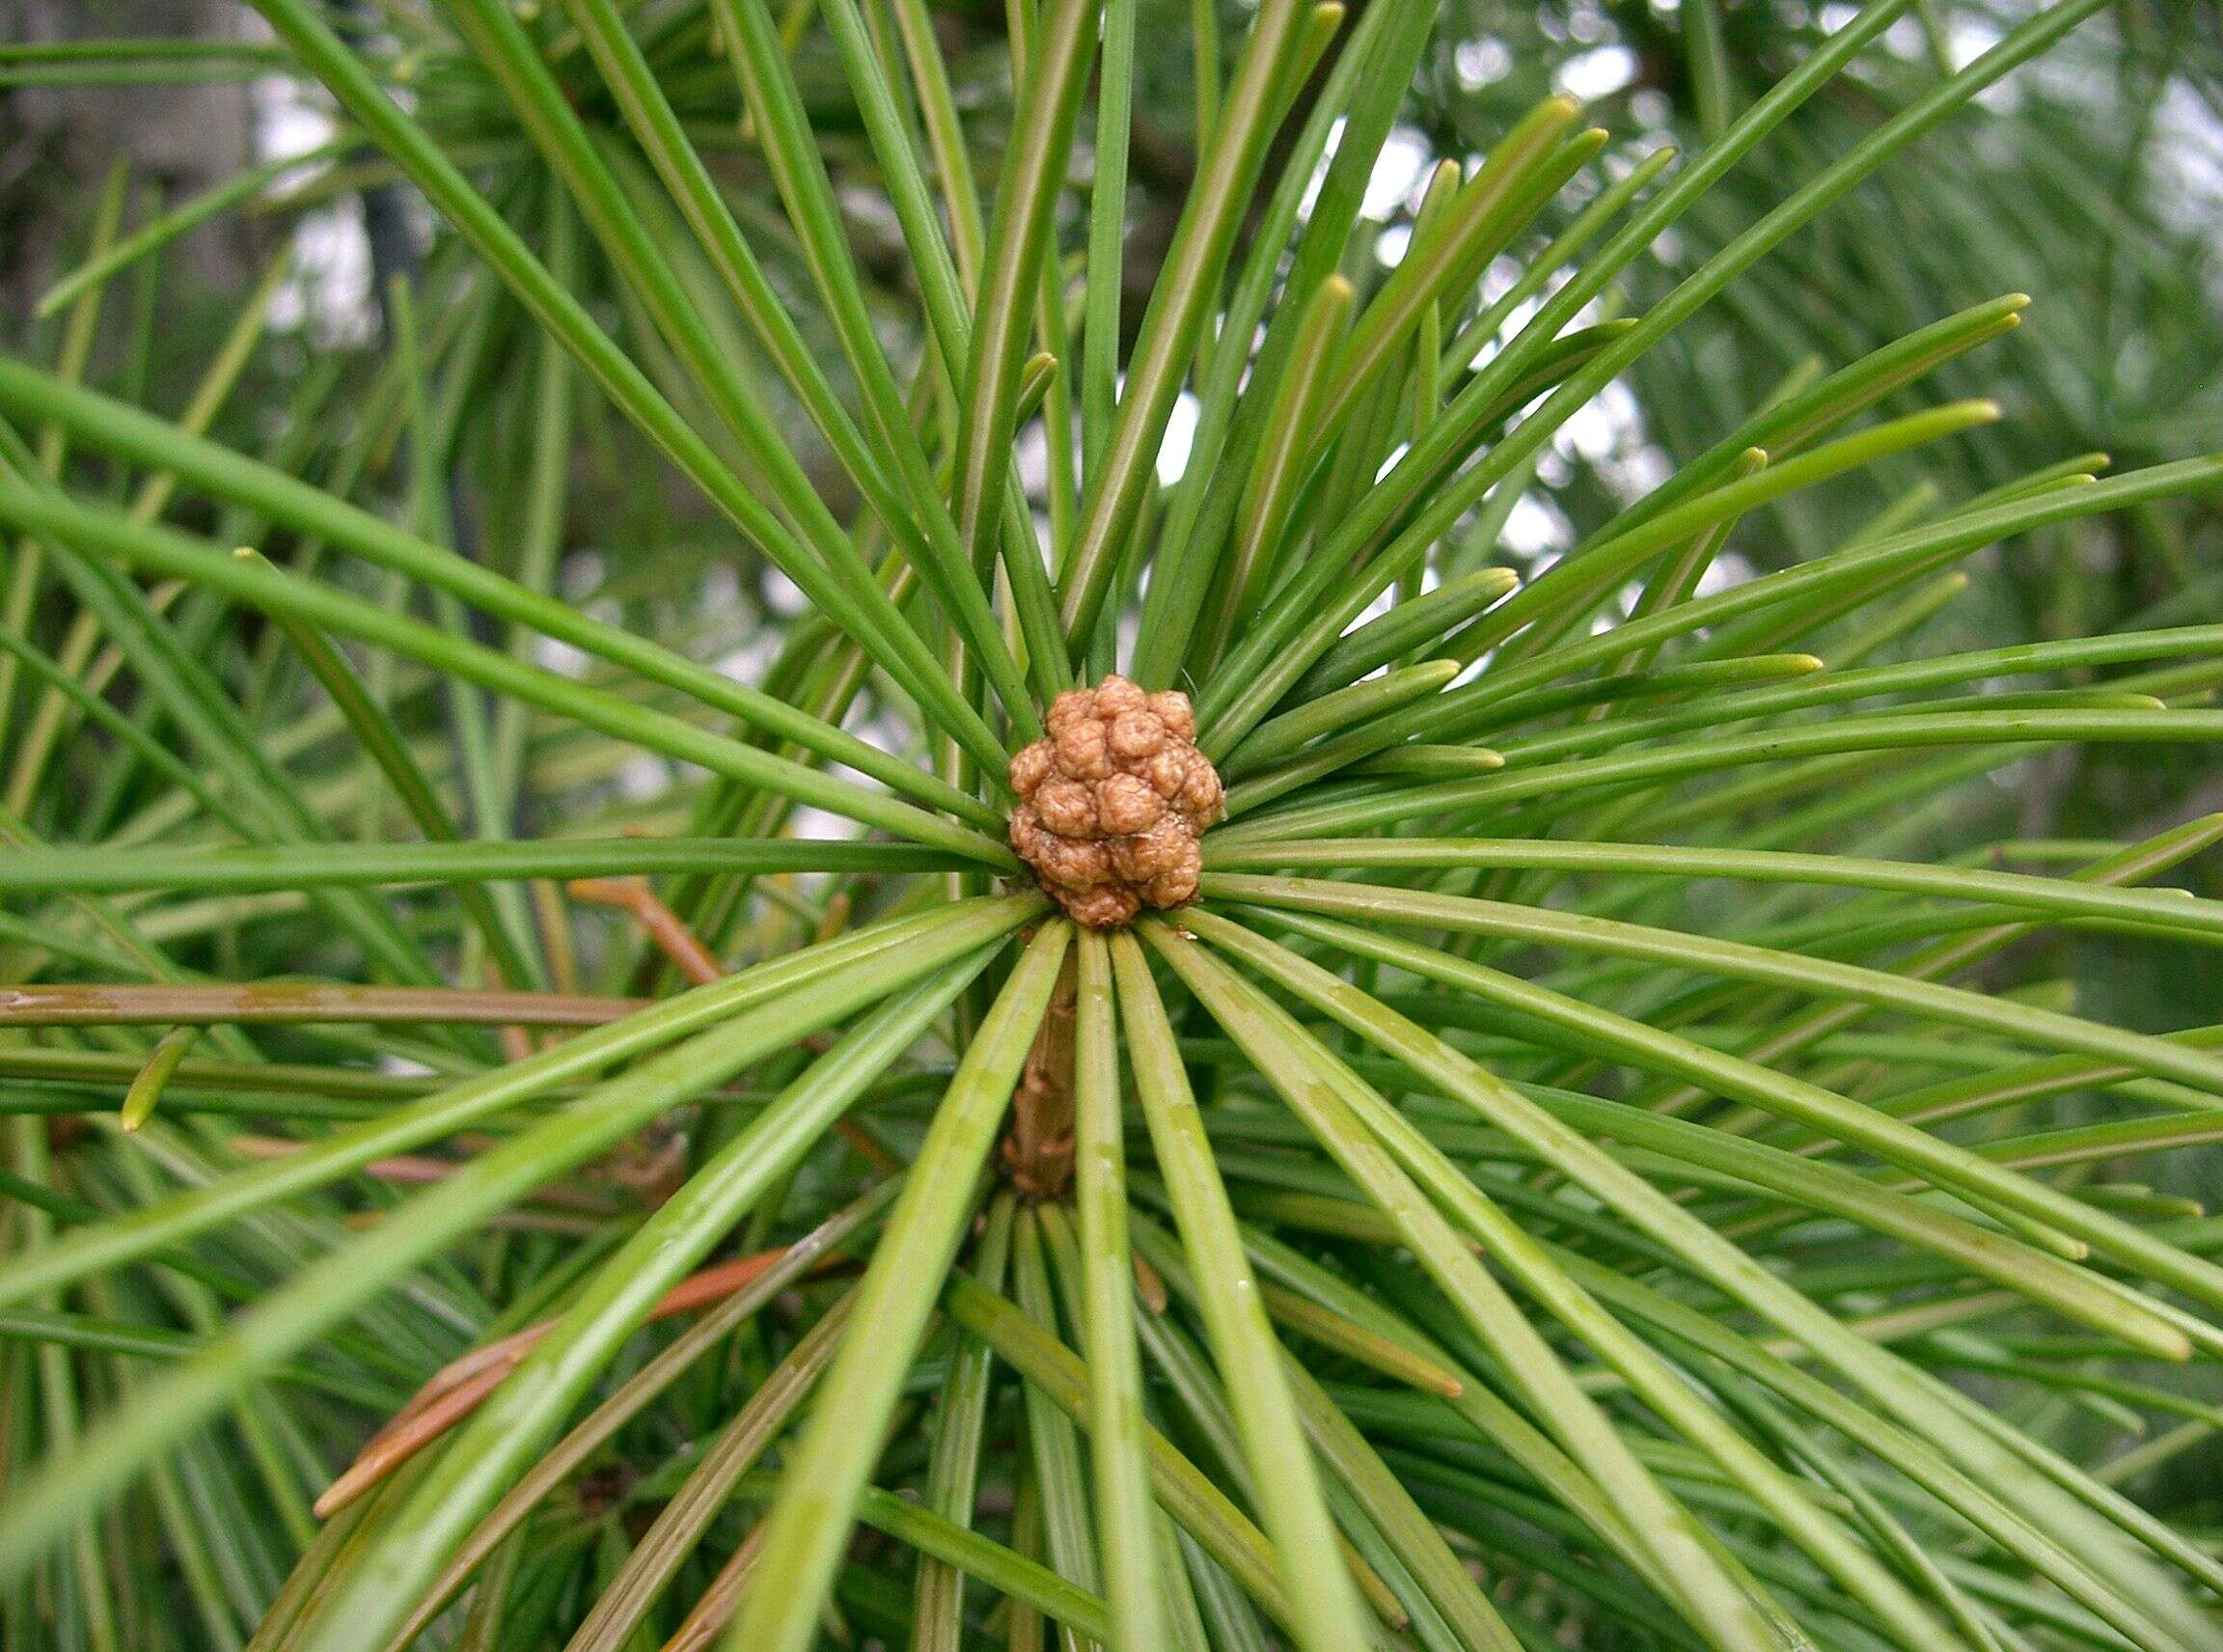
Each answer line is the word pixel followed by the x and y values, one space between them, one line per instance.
pixel 1112 802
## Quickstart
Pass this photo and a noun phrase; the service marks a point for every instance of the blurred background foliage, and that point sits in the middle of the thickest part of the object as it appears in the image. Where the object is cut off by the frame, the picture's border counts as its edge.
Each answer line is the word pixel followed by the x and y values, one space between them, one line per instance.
pixel 2091 182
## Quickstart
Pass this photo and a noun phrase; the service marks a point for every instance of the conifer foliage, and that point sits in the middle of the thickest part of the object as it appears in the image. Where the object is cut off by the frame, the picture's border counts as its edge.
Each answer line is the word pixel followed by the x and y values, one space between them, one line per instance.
pixel 708 955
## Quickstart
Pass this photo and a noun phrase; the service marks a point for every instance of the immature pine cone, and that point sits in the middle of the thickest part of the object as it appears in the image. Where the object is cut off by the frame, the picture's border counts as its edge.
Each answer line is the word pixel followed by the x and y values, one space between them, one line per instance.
pixel 1113 801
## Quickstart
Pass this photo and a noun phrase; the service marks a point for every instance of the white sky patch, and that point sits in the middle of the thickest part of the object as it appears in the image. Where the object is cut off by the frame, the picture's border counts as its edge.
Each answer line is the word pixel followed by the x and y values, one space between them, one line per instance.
pixel 1515 319
pixel 553 654
pixel 1591 432
pixel 580 574
pixel 1643 469
pixel 816 823
pixel 1534 526
pixel 720 586
pixel 782 595
pixel 1593 75
pixel 1319 179
pixel 1607 433
pixel 1906 38
pixel 1725 572
pixel 1588 24
pixel 286 122
pixel 1481 62
pixel 1180 438
pixel 871 206
pixel 2194 148
pixel 643 778
pixel 1374 610
pixel 1970 37
pixel 1031 452
pixel 1497 279
pixel 327 293
pixel 1405 159
pixel 749 662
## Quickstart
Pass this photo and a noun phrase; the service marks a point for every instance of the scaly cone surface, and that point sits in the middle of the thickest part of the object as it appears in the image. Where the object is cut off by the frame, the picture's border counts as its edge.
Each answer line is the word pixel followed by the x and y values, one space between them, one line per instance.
pixel 1113 801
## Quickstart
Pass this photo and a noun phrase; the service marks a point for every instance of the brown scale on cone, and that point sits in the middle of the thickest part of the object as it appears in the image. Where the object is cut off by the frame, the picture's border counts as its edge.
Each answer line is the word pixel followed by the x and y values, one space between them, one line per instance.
pixel 1111 802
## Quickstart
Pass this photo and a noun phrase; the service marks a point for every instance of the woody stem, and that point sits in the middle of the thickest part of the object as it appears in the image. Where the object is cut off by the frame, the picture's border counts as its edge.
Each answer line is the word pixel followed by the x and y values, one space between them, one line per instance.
pixel 1039 1143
